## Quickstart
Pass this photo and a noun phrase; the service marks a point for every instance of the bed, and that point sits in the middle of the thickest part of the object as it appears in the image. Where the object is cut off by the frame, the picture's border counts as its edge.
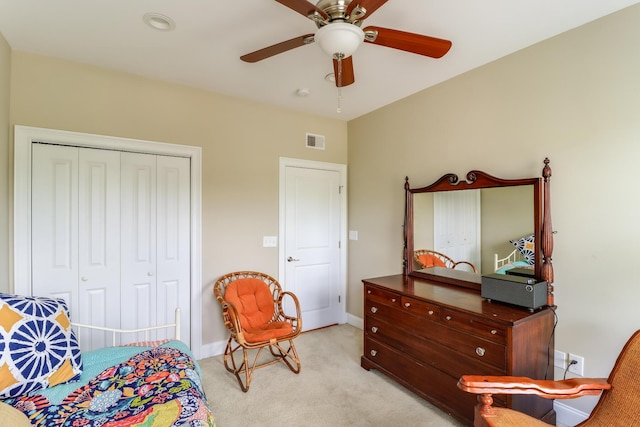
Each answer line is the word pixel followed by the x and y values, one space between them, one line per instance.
pixel 145 383
pixel 513 260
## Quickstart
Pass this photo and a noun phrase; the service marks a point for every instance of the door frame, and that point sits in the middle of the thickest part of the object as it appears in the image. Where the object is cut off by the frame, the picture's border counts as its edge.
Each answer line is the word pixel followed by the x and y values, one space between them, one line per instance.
pixel 342 172
pixel 25 136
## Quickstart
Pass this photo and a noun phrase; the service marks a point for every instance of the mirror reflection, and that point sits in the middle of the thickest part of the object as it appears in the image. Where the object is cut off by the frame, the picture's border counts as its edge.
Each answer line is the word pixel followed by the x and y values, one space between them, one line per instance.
pixel 474 227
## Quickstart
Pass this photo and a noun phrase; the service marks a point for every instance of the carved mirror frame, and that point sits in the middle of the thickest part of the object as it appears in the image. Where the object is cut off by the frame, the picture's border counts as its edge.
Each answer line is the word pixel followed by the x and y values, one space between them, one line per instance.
pixel 543 269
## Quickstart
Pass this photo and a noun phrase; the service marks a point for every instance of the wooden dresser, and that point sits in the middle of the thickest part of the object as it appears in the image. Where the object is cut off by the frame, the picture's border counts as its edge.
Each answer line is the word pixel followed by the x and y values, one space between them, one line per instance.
pixel 425 334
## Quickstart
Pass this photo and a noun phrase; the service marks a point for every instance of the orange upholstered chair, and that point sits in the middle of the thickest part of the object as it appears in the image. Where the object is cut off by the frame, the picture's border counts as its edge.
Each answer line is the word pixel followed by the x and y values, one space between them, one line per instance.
pixel 619 404
pixel 427 258
pixel 253 313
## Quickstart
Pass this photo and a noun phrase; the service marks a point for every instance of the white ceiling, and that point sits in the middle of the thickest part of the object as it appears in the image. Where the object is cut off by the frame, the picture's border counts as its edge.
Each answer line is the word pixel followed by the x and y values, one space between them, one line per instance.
pixel 210 35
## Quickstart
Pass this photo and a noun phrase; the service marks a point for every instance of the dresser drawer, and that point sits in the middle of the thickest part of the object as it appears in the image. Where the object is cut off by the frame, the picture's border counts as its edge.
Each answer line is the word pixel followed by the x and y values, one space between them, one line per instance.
pixel 476 326
pixel 427 352
pixel 422 308
pixel 381 296
pixel 432 384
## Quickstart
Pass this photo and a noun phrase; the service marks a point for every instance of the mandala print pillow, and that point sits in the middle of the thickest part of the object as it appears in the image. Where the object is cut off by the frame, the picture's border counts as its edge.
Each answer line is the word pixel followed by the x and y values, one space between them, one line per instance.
pixel 38 349
pixel 527 248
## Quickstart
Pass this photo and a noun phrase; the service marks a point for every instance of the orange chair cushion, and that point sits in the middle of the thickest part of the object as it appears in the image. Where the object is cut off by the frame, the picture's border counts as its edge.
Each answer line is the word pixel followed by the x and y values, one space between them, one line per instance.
pixel 429 260
pixel 255 306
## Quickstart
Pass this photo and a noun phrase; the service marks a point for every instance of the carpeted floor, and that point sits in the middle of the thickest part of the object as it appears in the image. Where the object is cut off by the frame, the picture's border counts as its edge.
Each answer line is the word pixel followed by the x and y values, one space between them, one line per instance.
pixel 331 390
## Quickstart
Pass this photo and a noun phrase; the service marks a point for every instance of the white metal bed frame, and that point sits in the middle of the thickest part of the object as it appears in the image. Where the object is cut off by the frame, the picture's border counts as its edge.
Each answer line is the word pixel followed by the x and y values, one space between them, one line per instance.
pixel 114 331
pixel 498 263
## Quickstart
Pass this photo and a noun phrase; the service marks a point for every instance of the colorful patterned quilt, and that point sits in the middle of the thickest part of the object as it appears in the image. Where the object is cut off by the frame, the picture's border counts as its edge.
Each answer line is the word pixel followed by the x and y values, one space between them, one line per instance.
pixel 157 387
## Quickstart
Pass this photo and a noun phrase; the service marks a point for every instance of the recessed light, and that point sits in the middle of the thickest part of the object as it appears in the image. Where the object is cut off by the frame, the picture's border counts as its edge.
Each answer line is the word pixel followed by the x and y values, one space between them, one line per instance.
pixel 159 22
pixel 303 92
pixel 331 78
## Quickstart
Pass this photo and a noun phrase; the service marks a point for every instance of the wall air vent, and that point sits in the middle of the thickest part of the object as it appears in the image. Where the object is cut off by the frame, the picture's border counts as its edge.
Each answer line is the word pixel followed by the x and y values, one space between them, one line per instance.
pixel 315 141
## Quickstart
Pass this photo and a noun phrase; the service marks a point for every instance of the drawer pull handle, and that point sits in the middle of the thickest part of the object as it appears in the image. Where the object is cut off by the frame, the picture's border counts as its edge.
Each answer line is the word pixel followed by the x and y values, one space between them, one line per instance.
pixel 393 300
pixel 374 329
pixel 480 351
pixel 373 353
pixel 368 291
pixel 430 312
pixel 448 317
pixel 493 332
pixel 374 309
pixel 407 304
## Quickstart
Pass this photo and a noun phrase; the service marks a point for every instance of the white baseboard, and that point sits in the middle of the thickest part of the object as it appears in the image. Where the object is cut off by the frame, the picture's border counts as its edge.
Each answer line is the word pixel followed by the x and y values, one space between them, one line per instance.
pixel 567 416
pixel 355 321
pixel 212 349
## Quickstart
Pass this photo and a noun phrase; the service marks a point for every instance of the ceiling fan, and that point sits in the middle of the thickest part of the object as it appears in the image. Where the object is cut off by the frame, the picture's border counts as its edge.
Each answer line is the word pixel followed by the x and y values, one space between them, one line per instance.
pixel 339 35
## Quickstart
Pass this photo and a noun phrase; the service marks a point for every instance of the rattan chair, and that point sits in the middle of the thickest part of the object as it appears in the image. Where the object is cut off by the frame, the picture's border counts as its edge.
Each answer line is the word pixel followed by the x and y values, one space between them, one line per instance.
pixel 253 313
pixel 619 404
pixel 427 258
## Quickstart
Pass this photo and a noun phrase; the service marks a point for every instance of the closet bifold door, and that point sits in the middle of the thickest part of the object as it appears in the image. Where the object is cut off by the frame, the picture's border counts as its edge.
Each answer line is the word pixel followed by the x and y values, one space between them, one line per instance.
pixel 155 204
pixel 75 233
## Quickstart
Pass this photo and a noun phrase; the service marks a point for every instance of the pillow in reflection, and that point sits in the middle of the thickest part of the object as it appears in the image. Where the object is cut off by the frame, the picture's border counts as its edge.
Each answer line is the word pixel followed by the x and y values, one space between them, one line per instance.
pixel 526 247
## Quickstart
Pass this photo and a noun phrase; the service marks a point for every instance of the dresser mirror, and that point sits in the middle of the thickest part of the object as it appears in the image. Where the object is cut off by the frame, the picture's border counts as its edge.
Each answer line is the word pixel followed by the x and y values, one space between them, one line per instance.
pixel 474 220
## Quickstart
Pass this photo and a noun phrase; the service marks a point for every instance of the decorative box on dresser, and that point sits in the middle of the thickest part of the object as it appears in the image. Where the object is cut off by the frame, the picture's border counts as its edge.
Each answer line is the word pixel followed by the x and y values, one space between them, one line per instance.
pixel 427 327
pixel 425 335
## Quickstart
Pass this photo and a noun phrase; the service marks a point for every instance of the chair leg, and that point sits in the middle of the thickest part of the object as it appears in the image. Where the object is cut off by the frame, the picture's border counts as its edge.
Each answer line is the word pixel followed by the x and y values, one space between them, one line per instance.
pixel 288 356
pixel 243 371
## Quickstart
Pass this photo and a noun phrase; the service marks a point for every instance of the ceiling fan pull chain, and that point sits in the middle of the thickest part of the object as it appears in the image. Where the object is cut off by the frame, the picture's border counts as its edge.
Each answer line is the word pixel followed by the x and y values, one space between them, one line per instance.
pixel 339 57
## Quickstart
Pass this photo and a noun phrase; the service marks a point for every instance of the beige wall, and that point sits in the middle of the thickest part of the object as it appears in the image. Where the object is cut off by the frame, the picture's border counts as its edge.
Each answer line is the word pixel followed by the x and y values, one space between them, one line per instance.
pixel 574 98
pixel 5 161
pixel 241 145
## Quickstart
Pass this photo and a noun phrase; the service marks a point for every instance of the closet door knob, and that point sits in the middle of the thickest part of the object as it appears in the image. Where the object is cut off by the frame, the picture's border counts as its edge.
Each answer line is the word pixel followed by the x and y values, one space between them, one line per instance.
pixel 84 278
pixel 150 274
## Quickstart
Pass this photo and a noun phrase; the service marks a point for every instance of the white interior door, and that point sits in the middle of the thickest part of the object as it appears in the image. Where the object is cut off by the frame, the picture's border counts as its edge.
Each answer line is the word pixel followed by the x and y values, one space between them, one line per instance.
pixel 111 235
pixel 312 243
pixel 99 243
pixel 138 250
pixel 457 225
pixel 54 224
pixel 173 243
pixel 76 253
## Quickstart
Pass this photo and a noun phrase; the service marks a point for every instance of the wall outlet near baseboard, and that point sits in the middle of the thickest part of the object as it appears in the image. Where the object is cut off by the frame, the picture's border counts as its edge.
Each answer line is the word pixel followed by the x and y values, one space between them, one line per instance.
pixel 578 367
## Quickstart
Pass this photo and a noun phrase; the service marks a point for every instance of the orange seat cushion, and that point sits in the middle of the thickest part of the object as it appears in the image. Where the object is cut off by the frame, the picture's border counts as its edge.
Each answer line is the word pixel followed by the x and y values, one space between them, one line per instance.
pixel 429 260
pixel 255 306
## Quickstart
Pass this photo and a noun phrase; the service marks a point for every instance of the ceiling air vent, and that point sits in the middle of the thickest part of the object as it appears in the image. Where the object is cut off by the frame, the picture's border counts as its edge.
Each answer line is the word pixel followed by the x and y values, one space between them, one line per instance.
pixel 315 141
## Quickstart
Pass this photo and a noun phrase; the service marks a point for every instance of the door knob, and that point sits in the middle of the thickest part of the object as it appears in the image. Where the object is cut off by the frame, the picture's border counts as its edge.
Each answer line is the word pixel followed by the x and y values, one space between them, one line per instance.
pixel 291 259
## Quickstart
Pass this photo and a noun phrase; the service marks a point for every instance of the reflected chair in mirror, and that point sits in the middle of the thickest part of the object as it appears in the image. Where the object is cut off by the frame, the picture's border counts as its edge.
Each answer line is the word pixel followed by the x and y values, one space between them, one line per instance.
pixel 619 404
pixel 254 314
pixel 428 258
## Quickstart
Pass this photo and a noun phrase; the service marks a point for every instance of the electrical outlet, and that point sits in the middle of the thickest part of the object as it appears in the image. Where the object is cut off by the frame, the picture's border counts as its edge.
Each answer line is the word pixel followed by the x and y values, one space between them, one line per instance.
pixel 560 359
pixel 576 368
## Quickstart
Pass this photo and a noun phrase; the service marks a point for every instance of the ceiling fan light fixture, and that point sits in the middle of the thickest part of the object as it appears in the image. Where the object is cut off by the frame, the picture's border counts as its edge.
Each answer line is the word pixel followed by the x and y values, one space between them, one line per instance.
pixel 339 39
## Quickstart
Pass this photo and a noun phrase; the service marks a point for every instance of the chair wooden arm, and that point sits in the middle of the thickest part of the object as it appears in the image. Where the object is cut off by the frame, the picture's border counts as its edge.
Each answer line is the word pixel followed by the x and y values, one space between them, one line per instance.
pixel 297 320
pixel 563 389
pixel 473 267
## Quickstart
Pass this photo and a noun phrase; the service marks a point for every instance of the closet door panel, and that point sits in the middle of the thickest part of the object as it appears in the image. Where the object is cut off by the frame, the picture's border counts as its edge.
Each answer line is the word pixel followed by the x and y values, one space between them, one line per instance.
pixel 173 242
pixel 138 237
pixel 99 243
pixel 54 218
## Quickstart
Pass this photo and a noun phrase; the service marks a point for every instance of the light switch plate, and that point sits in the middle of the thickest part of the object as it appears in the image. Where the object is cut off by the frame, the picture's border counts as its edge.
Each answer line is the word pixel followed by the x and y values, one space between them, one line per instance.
pixel 353 235
pixel 269 241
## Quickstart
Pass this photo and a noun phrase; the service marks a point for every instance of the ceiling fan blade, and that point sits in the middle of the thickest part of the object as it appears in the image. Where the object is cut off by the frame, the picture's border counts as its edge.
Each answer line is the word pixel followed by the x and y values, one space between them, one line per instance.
pixel 275 49
pixel 303 7
pixel 370 6
pixel 343 71
pixel 410 42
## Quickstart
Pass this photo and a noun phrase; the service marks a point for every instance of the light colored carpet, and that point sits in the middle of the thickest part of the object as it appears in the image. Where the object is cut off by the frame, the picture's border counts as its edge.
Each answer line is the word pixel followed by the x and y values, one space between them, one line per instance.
pixel 331 390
